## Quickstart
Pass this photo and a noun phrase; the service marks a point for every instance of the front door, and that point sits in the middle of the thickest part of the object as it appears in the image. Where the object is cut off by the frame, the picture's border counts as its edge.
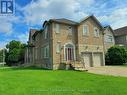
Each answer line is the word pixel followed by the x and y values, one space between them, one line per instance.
pixel 69 52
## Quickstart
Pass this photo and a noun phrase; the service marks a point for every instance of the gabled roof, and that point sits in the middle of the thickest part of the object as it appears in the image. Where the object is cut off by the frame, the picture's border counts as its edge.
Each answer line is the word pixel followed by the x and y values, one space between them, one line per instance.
pixel 92 17
pixel 120 31
pixel 109 27
pixel 70 22
pixel 65 21
pixel 32 32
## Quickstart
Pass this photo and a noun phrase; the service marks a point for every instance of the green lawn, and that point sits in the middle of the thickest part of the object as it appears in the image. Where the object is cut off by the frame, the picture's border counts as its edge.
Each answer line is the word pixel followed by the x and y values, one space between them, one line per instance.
pixel 48 82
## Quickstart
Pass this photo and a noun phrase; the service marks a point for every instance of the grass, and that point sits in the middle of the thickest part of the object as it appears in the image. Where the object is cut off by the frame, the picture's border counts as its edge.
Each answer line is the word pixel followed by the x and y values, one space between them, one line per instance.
pixel 31 81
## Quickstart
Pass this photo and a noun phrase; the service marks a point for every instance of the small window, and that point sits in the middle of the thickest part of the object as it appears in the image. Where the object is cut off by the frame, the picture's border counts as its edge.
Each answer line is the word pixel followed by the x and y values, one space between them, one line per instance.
pixel 46 51
pixel 96 32
pixel 46 32
pixel 42 52
pixel 58 47
pixel 36 53
pixel 57 28
pixel 85 30
pixel 109 38
pixel 70 30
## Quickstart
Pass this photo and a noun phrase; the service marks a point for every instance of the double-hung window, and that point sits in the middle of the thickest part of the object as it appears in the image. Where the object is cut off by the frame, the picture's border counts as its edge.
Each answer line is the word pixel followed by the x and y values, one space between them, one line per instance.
pixel 70 30
pixel 46 32
pixel 85 30
pixel 96 32
pixel 57 28
pixel 109 38
pixel 46 51
pixel 58 47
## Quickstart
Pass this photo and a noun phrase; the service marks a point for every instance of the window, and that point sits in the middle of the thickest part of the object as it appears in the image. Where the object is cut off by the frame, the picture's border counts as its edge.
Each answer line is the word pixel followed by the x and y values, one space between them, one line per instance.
pixel 46 51
pixel 57 28
pixel 109 38
pixel 36 52
pixel 96 32
pixel 46 32
pixel 70 30
pixel 85 30
pixel 42 52
pixel 58 47
pixel 126 38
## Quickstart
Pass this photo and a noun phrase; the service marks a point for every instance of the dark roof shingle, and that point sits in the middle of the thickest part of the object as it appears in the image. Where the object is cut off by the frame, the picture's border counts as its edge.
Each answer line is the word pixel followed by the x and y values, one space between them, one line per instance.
pixel 120 31
pixel 66 21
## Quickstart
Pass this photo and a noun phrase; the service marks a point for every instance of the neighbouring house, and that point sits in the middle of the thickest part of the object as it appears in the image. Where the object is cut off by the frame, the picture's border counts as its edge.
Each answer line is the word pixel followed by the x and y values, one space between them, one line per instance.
pixel 109 39
pixel 121 36
pixel 62 41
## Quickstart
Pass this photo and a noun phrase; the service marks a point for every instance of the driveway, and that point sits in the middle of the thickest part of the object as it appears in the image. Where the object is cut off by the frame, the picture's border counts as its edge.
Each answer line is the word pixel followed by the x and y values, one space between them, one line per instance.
pixel 109 70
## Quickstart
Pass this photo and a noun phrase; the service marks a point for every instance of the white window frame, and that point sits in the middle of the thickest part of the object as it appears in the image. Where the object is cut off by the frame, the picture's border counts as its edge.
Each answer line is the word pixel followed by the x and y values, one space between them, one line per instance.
pixel 57 28
pixel 46 32
pixel 70 30
pixel 66 55
pixel 58 47
pixel 108 38
pixel 46 51
pixel 36 53
pixel 85 30
pixel 126 38
pixel 42 52
pixel 96 33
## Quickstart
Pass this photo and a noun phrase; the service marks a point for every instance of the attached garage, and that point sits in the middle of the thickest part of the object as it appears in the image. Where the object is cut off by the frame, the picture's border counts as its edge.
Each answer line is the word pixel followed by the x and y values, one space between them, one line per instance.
pixel 97 59
pixel 92 59
pixel 87 58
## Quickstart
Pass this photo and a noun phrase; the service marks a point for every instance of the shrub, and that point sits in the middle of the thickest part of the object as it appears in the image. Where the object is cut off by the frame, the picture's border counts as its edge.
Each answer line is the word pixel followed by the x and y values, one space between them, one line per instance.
pixel 116 55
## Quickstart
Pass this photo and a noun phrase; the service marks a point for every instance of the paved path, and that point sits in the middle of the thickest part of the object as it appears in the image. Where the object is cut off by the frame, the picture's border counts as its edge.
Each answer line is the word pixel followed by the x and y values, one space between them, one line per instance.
pixel 109 70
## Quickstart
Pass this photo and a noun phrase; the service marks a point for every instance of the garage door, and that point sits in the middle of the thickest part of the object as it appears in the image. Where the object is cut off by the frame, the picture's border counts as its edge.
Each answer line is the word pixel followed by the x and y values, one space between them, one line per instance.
pixel 87 59
pixel 97 59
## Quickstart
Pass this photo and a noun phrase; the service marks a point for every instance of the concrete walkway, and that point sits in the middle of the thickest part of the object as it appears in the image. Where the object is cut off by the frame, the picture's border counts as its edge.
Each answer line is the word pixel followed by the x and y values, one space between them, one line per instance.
pixel 109 70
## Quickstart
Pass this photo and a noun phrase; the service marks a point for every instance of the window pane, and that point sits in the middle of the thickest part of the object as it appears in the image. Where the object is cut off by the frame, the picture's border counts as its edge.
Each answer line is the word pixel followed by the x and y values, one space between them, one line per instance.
pixel 57 28
pixel 46 32
pixel 58 47
pixel 85 30
pixel 70 30
pixel 96 32
pixel 46 51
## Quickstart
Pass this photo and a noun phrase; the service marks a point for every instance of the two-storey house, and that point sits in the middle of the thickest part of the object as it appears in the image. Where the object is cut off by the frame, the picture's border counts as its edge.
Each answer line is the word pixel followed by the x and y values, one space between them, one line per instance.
pixel 69 42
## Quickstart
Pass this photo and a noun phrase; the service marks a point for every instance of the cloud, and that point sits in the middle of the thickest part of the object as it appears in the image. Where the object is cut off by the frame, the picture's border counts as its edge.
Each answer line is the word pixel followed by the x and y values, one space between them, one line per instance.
pixel 7 22
pixel 37 12
pixel 110 12
pixel 23 37
pixel 116 18
pixel 3 44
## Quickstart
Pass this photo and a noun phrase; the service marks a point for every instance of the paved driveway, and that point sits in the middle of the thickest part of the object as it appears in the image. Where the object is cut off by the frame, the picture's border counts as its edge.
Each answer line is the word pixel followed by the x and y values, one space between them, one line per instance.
pixel 109 70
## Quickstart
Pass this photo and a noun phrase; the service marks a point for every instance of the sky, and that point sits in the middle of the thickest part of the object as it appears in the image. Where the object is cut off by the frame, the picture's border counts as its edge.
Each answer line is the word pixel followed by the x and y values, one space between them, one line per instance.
pixel 32 13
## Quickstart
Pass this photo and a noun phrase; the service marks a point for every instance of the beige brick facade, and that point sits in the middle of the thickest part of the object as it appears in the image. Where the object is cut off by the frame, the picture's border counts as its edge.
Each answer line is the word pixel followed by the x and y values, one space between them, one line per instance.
pixel 69 45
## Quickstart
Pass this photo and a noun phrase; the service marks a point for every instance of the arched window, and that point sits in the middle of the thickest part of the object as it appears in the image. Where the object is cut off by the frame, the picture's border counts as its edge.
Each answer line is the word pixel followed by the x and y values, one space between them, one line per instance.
pixel 69 52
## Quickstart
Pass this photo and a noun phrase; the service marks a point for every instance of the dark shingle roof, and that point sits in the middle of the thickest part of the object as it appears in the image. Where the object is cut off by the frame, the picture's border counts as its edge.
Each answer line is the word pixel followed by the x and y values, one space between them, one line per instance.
pixel 65 21
pixel 121 31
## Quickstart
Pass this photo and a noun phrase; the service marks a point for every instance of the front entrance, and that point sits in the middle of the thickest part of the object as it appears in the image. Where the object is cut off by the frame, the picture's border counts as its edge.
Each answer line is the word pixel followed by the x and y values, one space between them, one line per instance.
pixel 69 52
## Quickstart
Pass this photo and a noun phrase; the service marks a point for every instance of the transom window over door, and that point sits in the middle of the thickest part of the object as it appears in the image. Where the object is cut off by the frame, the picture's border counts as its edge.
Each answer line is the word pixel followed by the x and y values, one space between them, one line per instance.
pixel 69 52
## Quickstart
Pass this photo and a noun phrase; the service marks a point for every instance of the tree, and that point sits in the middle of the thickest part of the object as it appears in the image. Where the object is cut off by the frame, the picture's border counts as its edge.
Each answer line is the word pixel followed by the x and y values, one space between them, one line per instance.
pixel 15 53
pixel 116 55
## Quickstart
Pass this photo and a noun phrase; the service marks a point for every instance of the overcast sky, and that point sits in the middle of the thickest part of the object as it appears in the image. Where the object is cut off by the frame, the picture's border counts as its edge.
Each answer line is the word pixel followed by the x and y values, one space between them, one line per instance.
pixel 32 13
